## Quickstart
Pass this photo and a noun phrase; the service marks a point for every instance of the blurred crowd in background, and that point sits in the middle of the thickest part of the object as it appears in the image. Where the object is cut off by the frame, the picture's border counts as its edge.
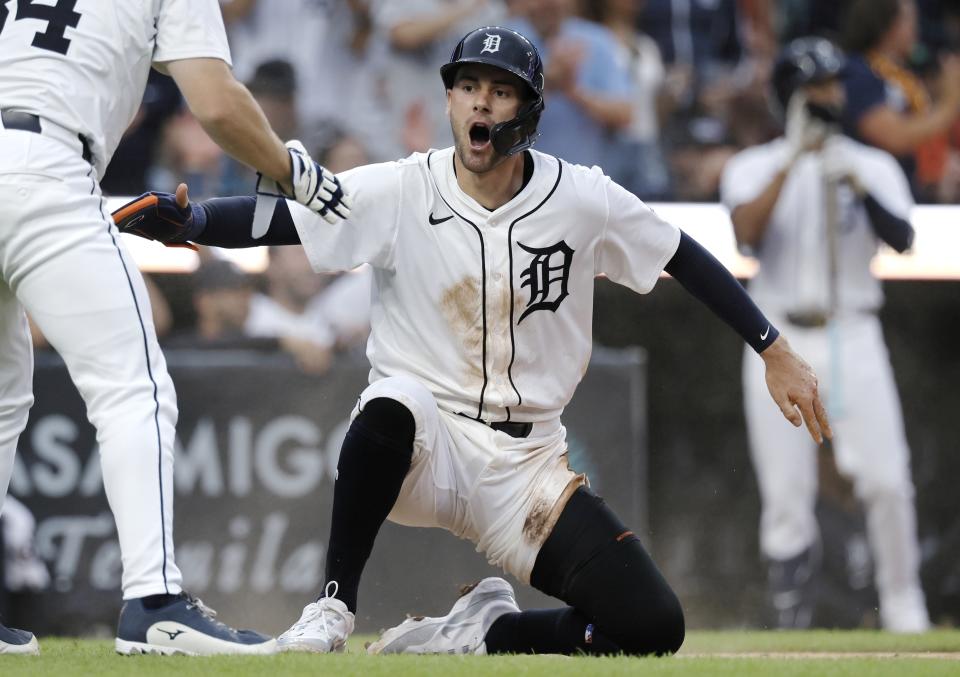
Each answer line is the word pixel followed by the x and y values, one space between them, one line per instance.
pixel 660 93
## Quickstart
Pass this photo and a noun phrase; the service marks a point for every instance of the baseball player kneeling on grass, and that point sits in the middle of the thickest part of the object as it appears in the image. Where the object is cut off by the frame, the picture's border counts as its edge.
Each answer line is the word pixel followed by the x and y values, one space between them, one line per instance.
pixel 813 206
pixel 72 76
pixel 484 257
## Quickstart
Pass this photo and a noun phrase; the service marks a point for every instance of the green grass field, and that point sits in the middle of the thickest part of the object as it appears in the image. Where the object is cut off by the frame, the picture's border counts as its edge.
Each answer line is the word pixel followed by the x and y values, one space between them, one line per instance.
pixel 730 653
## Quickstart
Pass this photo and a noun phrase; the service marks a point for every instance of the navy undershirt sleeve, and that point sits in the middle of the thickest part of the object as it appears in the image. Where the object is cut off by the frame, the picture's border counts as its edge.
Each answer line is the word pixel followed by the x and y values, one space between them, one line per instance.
pixel 705 277
pixel 230 220
pixel 896 232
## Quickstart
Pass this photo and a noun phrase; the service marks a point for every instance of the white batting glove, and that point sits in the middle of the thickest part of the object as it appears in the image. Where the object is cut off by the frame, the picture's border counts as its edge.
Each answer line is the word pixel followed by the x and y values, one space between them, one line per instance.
pixel 316 187
pixel 837 166
pixel 803 132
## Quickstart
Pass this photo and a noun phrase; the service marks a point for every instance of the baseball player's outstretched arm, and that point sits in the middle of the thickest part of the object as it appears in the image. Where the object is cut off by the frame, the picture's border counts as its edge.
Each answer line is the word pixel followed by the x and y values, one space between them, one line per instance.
pixel 790 379
pixel 232 117
pixel 219 222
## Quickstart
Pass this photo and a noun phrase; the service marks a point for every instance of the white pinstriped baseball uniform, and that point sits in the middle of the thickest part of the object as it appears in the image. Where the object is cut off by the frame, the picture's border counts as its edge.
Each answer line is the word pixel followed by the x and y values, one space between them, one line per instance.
pixel 81 67
pixel 487 316
pixel 850 356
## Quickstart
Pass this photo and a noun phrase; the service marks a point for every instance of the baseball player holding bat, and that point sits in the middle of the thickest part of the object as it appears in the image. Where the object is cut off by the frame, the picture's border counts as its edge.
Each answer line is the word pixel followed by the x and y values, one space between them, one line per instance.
pixel 72 76
pixel 813 206
pixel 484 258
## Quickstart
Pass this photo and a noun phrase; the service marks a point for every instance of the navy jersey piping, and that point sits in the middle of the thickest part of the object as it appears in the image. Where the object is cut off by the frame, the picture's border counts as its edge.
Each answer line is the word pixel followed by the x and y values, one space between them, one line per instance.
pixel 513 345
pixel 483 284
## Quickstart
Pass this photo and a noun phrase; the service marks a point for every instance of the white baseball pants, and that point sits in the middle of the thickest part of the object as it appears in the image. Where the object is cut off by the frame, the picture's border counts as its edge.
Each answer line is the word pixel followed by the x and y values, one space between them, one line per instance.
pixel 62 260
pixel 870 447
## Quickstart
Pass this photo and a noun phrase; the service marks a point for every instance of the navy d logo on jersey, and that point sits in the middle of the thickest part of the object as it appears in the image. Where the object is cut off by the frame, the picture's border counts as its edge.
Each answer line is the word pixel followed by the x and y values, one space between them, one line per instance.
pixel 546 276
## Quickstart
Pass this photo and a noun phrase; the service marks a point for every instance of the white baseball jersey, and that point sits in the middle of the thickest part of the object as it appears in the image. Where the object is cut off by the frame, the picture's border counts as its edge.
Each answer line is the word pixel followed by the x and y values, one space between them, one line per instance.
pixel 83 64
pixel 492 311
pixel 794 258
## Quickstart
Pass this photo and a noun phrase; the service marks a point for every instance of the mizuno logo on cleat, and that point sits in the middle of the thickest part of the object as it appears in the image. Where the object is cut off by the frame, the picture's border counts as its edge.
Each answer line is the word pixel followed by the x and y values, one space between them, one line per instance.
pixel 171 635
pixel 436 222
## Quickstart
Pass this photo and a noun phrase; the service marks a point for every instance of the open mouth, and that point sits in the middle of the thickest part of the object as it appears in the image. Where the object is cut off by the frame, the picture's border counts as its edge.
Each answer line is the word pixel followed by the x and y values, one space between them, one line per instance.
pixel 479 135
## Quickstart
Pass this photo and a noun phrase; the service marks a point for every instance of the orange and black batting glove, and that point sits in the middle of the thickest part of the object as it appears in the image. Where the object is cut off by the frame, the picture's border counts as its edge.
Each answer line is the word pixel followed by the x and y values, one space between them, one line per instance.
pixel 157 216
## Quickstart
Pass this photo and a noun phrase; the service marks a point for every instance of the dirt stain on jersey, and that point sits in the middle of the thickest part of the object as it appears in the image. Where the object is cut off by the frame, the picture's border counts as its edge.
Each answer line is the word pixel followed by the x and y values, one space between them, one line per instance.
pixel 462 308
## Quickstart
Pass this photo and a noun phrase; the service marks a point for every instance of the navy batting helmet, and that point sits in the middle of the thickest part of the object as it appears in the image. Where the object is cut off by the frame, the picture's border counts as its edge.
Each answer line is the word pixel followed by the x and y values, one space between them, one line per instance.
pixel 514 53
pixel 805 61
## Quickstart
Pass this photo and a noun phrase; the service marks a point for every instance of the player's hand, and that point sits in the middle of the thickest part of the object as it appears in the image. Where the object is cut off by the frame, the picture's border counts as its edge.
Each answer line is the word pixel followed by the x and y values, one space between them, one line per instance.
pixel 803 132
pixel 793 386
pixel 165 217
pixel 837 166
pixel 315 186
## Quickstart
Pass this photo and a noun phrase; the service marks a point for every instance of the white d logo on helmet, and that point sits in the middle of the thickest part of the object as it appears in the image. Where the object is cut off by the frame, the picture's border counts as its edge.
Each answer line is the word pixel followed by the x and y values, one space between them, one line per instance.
pixel 491 44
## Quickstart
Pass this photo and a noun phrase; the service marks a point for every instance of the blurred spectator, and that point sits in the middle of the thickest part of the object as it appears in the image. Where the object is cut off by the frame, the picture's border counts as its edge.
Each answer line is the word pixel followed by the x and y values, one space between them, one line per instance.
pixel 221 299
pixel 327 312
pixel 343 151
pixel 191 156
pixel 289 30
pixel 887 104
pixel 588 90
pixel 420 36
pixel 307 315
pixel 360 106
pixel 128 172
pixel 700 41
pixel 274 86
pixel 636 157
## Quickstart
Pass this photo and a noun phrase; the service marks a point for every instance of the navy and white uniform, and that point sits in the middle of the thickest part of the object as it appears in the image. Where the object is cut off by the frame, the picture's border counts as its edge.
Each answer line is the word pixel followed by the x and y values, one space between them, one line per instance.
pixel 848 352
pixel 72 76
pixel 482 315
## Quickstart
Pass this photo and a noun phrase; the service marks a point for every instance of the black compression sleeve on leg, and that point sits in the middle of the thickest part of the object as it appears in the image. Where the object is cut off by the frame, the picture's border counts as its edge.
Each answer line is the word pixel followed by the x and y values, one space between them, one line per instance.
pixel 374 461
pixel 706 278
pixel 230 221
pixel 596 565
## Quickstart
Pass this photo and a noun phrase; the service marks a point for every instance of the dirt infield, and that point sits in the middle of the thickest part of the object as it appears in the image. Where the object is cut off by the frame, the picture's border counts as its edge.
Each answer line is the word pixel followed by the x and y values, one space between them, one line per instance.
pixel 828 655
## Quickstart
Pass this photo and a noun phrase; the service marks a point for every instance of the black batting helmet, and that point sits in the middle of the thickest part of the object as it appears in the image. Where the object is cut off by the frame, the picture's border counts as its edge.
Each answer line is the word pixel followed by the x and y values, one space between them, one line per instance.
pixel 805 61
pixel 514 53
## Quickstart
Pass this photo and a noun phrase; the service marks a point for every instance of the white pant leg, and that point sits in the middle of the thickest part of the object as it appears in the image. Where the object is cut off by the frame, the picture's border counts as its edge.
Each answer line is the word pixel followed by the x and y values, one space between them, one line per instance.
pixel 501 493
pixel 871 449
pixel 785 461
pixel 68 268
pixel 16 375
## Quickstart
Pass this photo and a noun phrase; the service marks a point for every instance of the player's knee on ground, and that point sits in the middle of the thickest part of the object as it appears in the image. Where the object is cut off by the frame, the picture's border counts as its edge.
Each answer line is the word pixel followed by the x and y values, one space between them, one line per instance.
pixel 598 566
pixel 635 607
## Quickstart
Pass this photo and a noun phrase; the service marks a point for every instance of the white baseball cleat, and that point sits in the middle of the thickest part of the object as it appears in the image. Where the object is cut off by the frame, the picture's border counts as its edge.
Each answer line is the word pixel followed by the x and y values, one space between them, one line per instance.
pixel 13 641
pixel 462 631
pixel 905 613
pixel 323 627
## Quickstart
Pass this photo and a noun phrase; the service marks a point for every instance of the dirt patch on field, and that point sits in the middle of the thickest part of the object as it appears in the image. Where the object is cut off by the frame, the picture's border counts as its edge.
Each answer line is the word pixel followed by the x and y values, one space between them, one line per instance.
pixel 828 655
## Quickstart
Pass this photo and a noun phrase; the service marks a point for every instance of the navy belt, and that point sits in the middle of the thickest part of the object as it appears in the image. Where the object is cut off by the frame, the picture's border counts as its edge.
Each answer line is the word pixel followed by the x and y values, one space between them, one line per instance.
pixel 512 428
pixel 28 122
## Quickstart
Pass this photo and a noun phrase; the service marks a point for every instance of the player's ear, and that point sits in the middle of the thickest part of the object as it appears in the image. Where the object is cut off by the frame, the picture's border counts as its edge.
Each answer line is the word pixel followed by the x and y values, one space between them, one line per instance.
pixel 449 94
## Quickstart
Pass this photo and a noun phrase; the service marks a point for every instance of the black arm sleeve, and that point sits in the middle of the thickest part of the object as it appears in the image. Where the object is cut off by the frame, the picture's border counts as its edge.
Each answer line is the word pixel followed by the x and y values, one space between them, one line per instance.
pixel 896 232
pixel 230 220
pixel 706 278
